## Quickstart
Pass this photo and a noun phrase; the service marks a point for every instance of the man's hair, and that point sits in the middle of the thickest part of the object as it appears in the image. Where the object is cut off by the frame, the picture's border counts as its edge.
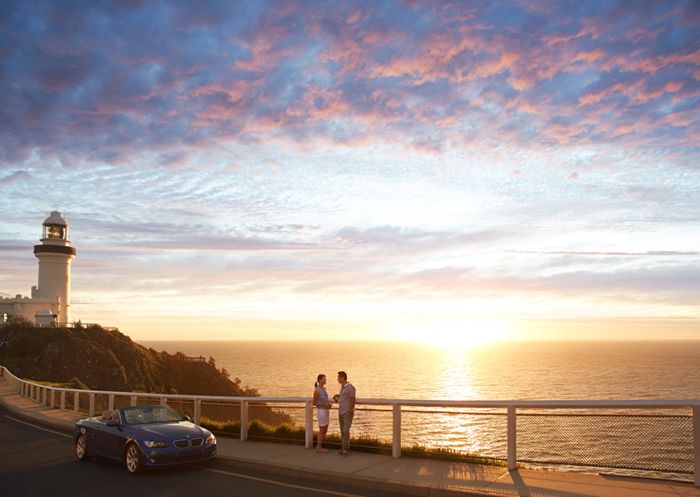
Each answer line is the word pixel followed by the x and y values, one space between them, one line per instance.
pixel 343 375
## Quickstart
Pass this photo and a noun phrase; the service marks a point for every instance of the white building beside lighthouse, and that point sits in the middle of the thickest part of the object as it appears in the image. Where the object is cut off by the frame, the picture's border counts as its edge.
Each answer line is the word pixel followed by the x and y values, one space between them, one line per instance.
pixel 50 300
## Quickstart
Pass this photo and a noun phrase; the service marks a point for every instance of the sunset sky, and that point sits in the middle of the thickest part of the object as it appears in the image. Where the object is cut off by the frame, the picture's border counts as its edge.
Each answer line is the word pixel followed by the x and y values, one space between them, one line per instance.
pixel 441 171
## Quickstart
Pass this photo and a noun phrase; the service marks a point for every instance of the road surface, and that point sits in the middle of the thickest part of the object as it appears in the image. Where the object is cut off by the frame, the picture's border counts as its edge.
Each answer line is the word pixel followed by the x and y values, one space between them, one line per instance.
pixel 38 461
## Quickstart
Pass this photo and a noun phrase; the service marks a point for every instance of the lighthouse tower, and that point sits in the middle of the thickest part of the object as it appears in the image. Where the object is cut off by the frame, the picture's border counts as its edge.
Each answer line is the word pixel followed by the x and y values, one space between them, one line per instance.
pixel 55 256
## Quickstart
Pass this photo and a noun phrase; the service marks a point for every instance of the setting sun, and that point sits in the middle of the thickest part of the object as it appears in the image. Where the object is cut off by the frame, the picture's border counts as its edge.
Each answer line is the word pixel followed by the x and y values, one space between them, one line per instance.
pixel 455 334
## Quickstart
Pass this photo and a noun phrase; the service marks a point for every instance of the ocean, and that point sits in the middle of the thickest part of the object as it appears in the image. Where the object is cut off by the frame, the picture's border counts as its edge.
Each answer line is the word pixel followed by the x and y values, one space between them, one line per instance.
pixel 498 371
pixel 651 443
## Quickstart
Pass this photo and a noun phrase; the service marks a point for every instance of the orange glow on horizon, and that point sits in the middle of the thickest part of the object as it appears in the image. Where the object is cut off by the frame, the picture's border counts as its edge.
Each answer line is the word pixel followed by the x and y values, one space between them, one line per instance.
pixel 456 334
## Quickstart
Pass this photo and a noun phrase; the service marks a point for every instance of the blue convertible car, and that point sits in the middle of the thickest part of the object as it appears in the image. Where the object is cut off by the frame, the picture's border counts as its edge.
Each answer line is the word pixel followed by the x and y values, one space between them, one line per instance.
pixel 143 436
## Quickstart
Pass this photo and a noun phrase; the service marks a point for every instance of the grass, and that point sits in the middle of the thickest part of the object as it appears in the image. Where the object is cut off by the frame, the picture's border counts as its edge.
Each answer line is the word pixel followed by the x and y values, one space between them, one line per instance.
pixel 291 434
pixel 53 384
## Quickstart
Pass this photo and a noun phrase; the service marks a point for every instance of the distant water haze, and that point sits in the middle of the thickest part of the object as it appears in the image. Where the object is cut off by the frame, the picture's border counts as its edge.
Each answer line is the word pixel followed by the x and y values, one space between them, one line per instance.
pixel 498 371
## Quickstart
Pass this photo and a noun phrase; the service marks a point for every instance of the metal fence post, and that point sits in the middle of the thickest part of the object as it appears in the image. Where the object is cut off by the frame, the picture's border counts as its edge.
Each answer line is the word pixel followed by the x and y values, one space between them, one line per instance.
pixel 91 410
pixel 512 456
pixel 44 396
pixel 164 401
pixel 111 402
pixel 134 400
pixel 696 445
pixel 52 398
pixel 197 411
pixel 63 400
pixel 244 420
pixel 396 431
pixel 308 425
pixel 76 402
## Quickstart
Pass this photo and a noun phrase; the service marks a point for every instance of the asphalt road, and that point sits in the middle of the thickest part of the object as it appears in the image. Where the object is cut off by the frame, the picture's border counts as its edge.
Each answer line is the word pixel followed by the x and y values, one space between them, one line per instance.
pixel 38 461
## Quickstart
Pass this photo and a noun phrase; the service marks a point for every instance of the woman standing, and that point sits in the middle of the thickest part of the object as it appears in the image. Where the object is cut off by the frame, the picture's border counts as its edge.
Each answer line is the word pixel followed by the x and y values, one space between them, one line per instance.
pixel 323 404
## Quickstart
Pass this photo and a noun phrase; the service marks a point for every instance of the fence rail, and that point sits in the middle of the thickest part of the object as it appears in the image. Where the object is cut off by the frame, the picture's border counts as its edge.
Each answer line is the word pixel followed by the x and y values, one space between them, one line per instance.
pixel 556 432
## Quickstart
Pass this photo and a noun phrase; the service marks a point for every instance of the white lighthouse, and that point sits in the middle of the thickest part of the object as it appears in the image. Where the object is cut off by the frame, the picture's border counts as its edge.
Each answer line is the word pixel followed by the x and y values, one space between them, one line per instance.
pixel 49 304
pixel 55 256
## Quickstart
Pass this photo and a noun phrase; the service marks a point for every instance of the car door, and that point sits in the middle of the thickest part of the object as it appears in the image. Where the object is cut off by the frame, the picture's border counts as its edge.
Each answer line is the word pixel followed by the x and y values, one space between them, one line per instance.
pixel 112 436
pixel 96 439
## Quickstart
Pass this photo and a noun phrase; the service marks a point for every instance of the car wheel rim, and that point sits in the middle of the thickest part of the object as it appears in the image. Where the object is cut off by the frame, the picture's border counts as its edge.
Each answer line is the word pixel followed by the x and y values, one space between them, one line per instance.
pixel 80 447
pixel 132 459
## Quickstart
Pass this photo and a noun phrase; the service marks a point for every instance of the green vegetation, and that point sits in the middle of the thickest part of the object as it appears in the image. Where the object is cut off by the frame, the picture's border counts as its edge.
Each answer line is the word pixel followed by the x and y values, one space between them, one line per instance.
pixel 100 359
pixel 292 434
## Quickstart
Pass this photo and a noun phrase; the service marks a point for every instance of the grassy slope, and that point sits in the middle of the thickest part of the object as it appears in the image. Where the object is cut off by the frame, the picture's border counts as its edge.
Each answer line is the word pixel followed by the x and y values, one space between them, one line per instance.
pixel 107 360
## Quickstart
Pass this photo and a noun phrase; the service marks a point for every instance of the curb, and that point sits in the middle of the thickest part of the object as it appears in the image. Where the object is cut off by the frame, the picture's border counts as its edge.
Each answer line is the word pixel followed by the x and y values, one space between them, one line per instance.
pixel 358 481
pixel 20 413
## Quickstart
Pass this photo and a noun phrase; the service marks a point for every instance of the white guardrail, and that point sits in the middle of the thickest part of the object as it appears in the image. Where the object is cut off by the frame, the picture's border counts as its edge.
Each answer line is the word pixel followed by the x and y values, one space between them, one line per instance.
pixel 46 395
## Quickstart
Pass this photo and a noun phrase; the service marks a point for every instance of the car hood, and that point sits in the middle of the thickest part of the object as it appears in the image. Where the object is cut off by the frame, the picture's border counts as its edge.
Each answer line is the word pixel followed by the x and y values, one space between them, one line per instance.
pixel 172 430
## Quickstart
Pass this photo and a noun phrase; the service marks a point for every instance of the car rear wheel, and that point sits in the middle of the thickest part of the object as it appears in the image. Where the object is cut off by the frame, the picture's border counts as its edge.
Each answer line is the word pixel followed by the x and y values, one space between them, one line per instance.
pixel 132 458
pixel 81 448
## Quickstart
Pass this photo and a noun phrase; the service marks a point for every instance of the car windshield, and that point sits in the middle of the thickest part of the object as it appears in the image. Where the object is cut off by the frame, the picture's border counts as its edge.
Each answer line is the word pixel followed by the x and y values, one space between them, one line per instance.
pixel 141 415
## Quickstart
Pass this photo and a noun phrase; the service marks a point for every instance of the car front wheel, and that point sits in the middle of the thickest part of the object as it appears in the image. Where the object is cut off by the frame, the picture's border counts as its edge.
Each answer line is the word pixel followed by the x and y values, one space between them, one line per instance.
pixel 81 448
pixel 132 458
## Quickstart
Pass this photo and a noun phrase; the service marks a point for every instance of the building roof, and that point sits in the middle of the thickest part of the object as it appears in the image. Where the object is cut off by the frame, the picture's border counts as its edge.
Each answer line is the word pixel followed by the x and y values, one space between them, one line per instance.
pixel 56 218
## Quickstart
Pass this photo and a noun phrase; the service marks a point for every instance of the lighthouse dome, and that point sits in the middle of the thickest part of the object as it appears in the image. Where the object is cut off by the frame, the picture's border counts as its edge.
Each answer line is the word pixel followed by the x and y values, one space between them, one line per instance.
pixel 56 218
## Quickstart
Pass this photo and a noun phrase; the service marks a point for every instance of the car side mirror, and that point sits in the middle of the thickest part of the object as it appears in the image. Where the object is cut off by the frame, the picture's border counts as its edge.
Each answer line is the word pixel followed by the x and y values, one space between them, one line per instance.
pixel 113 422
pixel 185 418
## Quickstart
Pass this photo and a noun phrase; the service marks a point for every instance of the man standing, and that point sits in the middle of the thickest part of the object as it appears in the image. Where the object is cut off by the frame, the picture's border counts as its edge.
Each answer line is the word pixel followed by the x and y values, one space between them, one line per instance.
pixel 346 410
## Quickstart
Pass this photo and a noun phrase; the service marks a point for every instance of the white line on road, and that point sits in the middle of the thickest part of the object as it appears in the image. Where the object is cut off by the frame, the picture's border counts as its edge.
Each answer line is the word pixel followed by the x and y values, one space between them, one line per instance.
pixel 279 483
pixel 37 427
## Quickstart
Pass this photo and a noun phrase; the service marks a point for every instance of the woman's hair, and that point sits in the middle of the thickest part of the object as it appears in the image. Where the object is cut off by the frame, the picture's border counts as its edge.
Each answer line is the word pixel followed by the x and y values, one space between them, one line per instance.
pixel 318 378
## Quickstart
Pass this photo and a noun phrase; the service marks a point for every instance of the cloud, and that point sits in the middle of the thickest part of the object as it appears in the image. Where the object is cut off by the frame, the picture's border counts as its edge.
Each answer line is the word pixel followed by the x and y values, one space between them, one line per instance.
pixel 286 69
pixel 15 177
pixel 393 240
pixel 654 253
pixel 356 150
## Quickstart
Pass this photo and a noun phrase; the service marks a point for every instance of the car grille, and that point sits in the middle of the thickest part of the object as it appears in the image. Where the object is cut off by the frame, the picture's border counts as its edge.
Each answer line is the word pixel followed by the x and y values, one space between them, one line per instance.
pixel 184 443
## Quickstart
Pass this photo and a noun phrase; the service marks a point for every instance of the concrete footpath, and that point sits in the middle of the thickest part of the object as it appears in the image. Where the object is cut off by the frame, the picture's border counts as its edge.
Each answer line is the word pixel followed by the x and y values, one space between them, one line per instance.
pixel 407 475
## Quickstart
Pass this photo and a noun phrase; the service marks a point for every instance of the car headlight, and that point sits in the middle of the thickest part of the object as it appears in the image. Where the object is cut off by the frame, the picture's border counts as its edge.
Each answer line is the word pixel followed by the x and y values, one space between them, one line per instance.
pixel 155 444
pixel 211 440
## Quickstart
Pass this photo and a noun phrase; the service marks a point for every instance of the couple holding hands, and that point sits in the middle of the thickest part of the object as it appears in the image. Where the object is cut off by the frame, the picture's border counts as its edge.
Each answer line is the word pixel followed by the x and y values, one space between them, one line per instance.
pixel 346 410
